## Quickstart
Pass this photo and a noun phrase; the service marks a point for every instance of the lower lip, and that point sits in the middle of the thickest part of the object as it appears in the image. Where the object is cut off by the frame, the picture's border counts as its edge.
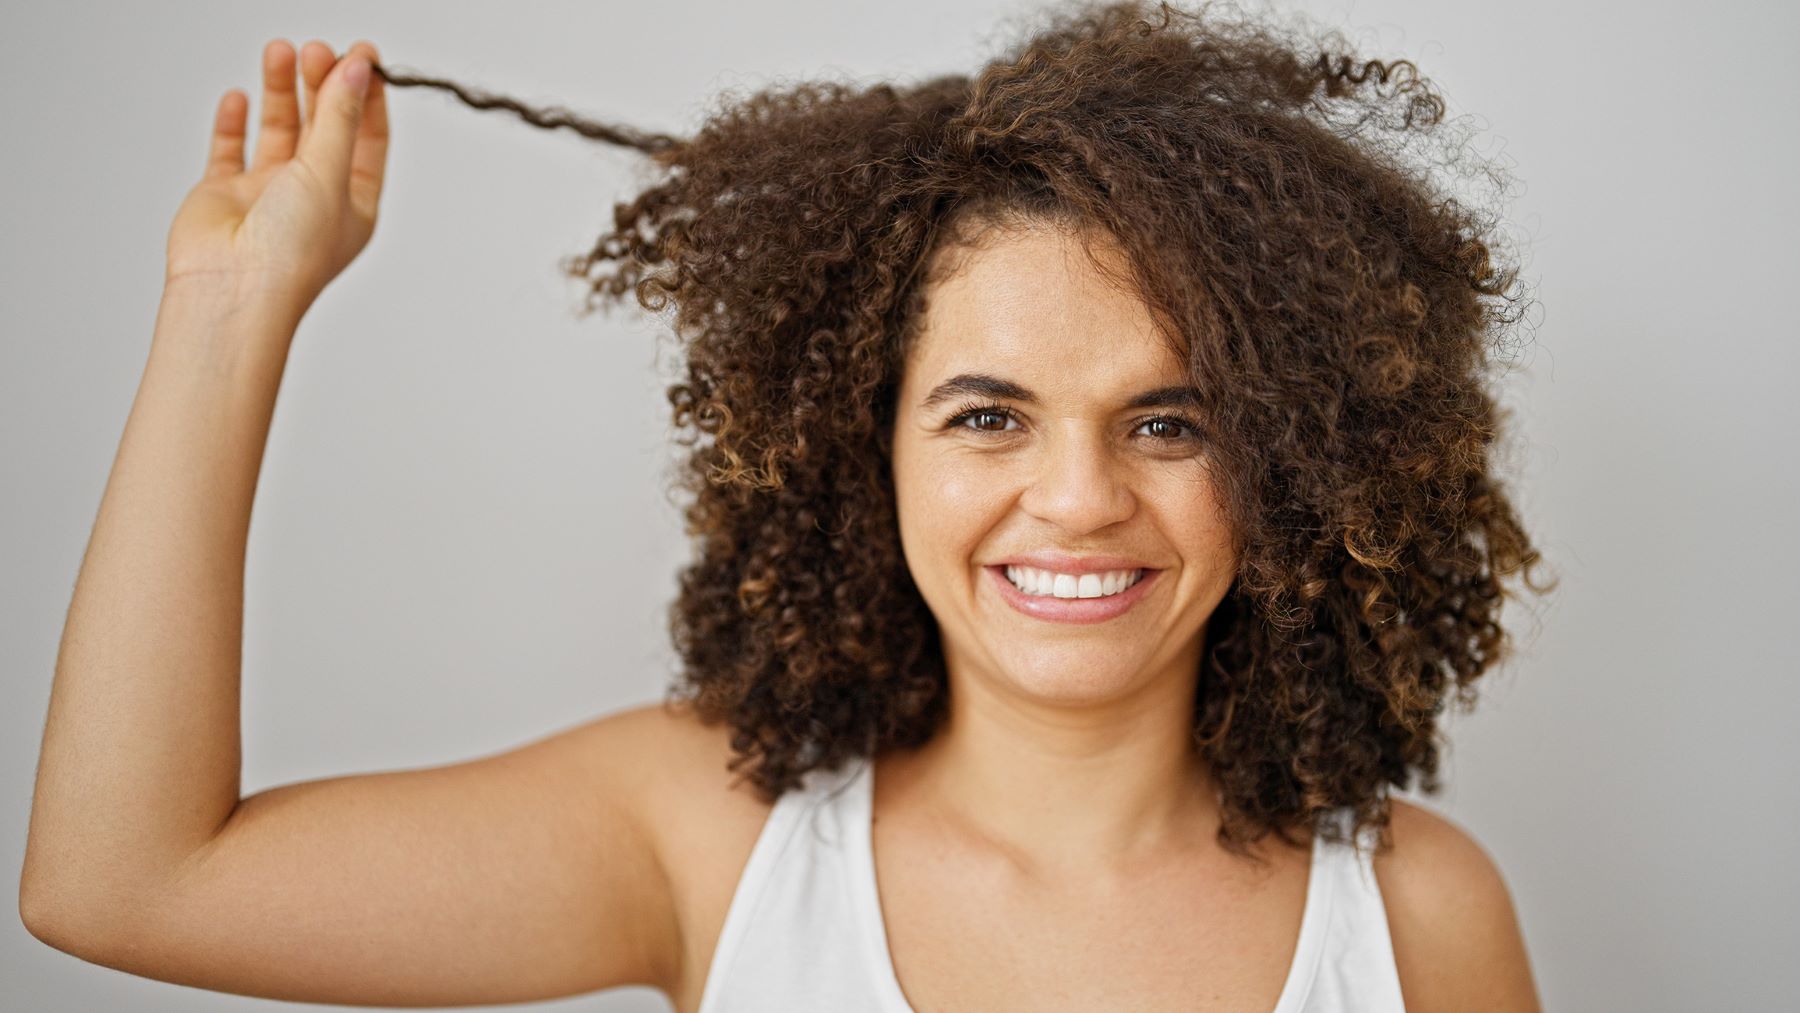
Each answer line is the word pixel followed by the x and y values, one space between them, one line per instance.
pixel 1071 610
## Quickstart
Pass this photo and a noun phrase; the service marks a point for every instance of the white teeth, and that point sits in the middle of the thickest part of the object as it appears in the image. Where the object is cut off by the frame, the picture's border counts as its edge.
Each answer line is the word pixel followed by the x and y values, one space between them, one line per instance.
pixel 1045 583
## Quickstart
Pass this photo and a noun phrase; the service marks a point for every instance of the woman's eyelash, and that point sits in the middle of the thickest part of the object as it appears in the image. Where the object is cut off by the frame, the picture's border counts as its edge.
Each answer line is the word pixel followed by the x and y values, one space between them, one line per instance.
pixel 969 411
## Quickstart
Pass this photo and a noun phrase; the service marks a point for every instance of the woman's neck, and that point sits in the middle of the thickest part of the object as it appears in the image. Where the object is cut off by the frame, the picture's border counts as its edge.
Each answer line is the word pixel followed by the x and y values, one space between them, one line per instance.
pixel 1062 786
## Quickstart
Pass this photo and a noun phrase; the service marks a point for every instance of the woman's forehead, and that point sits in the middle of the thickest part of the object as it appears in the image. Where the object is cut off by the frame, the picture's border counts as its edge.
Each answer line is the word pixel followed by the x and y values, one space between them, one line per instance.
pixel 1033 303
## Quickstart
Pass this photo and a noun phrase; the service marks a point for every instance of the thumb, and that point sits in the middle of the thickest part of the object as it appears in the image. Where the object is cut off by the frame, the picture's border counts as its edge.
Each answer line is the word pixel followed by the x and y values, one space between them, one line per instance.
pixel 328 145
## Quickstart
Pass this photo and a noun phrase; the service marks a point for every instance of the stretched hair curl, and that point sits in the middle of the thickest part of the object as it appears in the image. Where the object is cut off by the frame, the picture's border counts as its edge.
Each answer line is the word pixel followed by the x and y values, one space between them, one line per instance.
pixel 1338 309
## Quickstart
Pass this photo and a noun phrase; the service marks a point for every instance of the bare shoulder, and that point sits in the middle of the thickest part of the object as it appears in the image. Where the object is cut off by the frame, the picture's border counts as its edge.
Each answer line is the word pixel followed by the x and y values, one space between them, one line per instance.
pixel 1457 941
pixel 702 819
pixel 687 788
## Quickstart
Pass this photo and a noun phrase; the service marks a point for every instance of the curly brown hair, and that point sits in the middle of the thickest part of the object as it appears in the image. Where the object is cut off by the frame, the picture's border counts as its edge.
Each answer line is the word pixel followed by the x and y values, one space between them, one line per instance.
pixel 1337 309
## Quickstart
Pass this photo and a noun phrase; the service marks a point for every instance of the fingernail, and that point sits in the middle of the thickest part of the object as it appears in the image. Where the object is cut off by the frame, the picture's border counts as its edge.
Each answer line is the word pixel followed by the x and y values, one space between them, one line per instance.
pixel 356 75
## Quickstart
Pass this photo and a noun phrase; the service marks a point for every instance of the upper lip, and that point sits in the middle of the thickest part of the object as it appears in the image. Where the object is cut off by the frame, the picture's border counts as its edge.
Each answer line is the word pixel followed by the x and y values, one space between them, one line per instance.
pixel 1062 562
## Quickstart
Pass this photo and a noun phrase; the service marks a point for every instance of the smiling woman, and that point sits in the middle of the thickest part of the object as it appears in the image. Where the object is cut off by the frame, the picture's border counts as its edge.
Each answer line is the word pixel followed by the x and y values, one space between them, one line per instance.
pixel 1070 478
pixel 1096 446
pixel 1092 517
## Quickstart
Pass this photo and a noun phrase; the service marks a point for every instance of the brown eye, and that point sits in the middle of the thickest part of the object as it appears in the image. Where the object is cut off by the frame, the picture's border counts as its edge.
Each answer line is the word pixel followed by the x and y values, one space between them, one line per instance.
pixel 985 419
pixel 1169 429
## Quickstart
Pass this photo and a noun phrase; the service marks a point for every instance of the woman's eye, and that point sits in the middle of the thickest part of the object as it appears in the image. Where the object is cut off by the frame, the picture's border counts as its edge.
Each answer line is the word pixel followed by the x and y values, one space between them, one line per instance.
pixel 1169 429
pixel 982 420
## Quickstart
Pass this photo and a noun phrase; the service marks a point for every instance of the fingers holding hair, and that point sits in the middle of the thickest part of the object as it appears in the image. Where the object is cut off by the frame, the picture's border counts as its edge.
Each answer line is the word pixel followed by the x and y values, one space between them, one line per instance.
pixel 368 159
pixel 332 130
pixel 345 125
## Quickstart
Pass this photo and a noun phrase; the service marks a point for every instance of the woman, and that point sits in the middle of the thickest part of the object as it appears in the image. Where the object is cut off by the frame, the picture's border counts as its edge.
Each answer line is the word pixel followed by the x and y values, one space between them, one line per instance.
pixel 1092 518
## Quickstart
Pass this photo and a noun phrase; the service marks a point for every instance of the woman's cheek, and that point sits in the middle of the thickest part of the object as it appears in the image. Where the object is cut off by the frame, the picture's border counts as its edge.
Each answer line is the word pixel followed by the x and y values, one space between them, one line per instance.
pixel 972 496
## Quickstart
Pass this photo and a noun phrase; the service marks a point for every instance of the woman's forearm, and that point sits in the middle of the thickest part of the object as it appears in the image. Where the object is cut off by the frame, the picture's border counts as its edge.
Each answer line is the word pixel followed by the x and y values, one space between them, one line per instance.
pixel 141 750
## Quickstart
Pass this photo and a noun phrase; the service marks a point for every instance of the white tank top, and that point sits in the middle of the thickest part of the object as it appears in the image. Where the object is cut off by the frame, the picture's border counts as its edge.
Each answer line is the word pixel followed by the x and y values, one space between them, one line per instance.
pixel 804 929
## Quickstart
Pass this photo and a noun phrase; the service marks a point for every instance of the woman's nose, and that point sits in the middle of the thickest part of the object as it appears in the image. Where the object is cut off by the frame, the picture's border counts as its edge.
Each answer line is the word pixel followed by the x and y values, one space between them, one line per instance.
pixel 1079 486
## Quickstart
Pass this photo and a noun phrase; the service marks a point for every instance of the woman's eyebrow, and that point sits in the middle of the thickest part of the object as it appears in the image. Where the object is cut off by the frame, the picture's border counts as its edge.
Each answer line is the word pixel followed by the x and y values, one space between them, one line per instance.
pixel 976 385
pixel 999 388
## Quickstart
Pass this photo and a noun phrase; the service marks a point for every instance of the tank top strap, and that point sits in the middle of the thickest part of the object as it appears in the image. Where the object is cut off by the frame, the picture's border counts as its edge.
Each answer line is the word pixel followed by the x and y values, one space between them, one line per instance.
pixel 1356 969
pixel 797 895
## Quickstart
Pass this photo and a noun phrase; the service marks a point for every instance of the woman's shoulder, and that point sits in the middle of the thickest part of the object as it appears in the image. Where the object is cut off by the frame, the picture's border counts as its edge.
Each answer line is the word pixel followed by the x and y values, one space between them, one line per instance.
pixel 699 813
pixel 702 819
pixel 1456 936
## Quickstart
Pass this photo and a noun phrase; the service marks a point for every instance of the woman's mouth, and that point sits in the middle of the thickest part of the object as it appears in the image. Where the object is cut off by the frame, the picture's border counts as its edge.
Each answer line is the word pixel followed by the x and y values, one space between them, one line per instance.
pixel 1070 598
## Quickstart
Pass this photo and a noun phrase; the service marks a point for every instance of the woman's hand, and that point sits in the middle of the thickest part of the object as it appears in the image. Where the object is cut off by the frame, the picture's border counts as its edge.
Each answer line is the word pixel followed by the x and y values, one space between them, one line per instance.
pixel 282 228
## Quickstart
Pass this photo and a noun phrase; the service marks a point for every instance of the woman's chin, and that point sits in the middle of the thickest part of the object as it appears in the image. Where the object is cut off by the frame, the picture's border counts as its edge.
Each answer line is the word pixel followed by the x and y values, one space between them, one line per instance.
pixel 1069 676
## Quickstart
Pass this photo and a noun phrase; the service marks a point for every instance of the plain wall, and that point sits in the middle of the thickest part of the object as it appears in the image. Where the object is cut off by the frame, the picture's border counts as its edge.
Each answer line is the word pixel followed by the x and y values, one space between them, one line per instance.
pixel 461 540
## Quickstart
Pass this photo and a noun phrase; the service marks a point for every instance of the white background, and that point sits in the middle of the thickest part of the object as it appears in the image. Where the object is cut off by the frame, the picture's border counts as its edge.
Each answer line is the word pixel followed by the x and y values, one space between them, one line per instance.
pixel 461 540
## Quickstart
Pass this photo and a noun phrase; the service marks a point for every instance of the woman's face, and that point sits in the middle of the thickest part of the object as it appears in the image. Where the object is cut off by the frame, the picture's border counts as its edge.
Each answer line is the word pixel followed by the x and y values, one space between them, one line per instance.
pixel 1020 433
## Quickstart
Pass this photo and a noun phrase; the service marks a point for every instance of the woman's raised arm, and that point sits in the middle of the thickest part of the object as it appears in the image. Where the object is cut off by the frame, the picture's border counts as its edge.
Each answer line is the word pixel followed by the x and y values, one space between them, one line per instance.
pixel 512 877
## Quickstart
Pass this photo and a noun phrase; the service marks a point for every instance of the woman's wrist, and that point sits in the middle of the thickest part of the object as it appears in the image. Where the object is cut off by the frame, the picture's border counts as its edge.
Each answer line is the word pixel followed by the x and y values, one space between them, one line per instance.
pixel 224 323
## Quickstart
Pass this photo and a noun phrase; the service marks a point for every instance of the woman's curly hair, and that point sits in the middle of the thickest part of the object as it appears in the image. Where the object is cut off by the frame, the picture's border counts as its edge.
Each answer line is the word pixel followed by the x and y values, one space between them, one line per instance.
pixel 1334 306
